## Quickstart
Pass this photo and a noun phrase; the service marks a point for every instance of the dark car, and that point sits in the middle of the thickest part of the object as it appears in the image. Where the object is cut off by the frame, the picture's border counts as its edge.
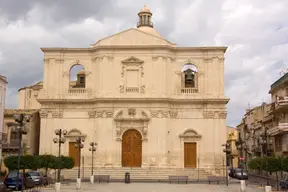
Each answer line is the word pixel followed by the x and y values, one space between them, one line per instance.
pixel 284 182
pixel 238 173
pixel 11 180
pixel 38 178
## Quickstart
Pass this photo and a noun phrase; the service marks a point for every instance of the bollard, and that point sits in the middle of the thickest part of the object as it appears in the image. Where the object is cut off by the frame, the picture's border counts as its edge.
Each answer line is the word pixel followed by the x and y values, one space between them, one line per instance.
pixel 78 186
pixel 92 179
pixel 268 188
pixel 57 186
pixel 242 186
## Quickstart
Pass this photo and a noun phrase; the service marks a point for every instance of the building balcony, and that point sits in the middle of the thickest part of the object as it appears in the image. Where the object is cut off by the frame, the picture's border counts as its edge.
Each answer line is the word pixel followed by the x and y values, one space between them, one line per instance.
pixel 281 103
pixel 279 129
pixel 189 91
pixel 10 144
pixel 256 148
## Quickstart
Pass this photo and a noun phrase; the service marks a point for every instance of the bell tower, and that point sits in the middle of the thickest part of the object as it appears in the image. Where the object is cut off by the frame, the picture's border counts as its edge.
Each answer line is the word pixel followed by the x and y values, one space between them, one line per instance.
pixel 145 18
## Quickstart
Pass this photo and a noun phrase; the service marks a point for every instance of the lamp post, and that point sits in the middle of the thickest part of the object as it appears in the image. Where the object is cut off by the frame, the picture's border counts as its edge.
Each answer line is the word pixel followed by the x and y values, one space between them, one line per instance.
pixel 227 151
pixel 79 145
pixel 60 140
pixel 92 148
pixel 266 142
pixel 241 145
pixel 19 128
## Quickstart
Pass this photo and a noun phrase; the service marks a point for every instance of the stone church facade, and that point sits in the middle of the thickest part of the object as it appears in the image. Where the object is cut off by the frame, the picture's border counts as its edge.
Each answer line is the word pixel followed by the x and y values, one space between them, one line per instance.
pixel 144 100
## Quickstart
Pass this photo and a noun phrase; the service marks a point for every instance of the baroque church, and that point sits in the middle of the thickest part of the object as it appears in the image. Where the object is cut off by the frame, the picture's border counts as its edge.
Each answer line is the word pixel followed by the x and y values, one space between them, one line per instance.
pixel 146 102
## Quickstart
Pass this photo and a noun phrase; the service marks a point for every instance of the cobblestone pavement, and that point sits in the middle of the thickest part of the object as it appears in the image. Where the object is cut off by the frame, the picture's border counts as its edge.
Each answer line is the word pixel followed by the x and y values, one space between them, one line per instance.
pixel 154 187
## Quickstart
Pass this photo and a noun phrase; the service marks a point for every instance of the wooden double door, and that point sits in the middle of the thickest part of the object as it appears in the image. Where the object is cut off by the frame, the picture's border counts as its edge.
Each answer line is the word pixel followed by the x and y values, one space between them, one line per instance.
pixel 190 155
pixel 74 153
pixel 131 149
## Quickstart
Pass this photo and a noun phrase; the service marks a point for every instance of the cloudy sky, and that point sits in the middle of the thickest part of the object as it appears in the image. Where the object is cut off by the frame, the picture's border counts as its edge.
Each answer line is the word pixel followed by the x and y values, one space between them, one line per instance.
pixel 256 32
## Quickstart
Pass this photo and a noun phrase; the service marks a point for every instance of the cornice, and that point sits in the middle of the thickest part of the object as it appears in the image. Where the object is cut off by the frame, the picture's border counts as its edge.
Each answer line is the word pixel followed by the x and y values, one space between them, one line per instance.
pixel 139 100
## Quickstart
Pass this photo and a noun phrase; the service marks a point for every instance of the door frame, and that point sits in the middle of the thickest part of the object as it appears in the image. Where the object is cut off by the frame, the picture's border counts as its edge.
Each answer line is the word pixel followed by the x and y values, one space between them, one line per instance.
pixel 196 155
pixel 190 136
pixel 121 157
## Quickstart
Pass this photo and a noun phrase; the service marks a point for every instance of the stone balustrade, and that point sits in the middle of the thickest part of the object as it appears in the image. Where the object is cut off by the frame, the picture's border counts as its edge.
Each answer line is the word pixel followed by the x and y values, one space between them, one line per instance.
pixel 189 90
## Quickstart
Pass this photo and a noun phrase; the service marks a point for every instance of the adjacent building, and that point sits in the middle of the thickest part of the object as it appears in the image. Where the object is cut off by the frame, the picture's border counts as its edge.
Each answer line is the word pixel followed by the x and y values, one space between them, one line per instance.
pixel 3 82
pixel 264 128
pixel 232 137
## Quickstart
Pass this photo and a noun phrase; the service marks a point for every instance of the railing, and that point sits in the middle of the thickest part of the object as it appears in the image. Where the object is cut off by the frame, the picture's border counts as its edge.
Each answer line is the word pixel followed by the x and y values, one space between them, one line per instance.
pixel 281 127
pixel 142 23
pixel 132 90
pixel 282 100
pixel 189 90
pixel 77 90
pixel 12 143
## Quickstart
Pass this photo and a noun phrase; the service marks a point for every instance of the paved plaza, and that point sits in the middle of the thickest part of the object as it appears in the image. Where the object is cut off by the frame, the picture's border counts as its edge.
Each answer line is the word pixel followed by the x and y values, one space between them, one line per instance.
pixel 154 187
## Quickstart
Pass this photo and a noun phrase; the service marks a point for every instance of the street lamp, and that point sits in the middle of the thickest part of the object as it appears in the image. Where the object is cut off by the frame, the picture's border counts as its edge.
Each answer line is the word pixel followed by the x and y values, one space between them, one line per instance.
pixel 227 151
pixel 266 142
pixel 19 127
pixel 79 145
pixel 92 148
pixel 60 140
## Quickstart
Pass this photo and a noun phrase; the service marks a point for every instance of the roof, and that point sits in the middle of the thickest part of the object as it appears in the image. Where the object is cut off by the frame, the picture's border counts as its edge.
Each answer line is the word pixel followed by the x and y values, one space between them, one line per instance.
pixel 281 80
pixel 3 78
pixel 145 9
pixel 38 85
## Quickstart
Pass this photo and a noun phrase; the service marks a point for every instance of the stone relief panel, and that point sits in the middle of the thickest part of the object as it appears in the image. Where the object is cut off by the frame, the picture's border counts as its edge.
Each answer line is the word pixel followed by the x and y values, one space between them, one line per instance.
pixel 57 114
pixel 131 119
pixel 164 114
pixel 43 114
pixel 214 114
pixel 106 113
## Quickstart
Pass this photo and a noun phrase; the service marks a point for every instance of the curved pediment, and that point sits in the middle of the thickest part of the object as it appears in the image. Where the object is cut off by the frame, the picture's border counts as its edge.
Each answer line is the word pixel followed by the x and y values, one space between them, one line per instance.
pixel 132 60
pixel 132 114
pixel 190 133
pixel 75 133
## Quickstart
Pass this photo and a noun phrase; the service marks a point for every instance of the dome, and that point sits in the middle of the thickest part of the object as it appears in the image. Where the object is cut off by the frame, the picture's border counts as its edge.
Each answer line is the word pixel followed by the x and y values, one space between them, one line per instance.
pixel 145 9
pixel 149 30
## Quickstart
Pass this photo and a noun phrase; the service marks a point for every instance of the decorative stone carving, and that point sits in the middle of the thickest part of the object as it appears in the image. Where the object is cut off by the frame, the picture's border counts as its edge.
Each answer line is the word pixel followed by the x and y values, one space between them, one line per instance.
pixel 141 71
pixel 208 114
pixel 122 71
pixel 65 73
pixel 87 73
pixel 222 114
pixel 91 114
pixel 132 112
pixel 173 114
pixel 99 114
pixel 57 114
pixel 142 89
pixel 163 114
pixel 121 89
pixel 190 135
pixel 109 113
pixel 132 61
pixel 124 122
pixel 43 114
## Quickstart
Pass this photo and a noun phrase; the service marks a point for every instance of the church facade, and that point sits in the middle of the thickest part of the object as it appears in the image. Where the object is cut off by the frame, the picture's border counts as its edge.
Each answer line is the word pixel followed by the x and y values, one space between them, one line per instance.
pixel 145 101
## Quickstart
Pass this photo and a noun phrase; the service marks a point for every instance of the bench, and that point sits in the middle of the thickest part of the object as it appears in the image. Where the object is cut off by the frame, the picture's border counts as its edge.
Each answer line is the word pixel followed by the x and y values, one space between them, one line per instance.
pixel 100 178
pixel 178 179
pixel 215 179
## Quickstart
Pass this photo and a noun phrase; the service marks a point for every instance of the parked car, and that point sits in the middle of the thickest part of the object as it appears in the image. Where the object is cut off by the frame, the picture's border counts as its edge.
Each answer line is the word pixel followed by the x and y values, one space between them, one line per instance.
pixel 238 173
pixel 38 177
pixel 11 180
pixel 284 182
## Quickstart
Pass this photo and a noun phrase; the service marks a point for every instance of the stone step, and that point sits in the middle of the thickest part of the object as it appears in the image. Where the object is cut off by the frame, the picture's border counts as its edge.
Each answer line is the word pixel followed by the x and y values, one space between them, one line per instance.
pixel 137 173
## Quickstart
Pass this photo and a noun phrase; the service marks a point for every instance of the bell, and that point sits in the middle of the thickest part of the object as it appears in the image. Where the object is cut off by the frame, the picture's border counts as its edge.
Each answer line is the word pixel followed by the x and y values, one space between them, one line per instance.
pixel 189 75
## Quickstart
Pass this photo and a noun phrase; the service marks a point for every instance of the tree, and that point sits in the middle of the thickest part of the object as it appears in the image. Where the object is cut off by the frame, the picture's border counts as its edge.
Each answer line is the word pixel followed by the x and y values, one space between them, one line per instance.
pixel 255 164
pixel 47 162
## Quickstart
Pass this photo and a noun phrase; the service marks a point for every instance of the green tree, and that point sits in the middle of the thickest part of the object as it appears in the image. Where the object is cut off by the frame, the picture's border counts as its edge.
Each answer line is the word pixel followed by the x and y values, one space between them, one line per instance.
pixel 47 162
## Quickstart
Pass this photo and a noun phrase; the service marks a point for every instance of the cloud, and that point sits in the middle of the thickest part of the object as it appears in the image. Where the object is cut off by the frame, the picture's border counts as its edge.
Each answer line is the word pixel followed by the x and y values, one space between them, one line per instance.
pixel 256 32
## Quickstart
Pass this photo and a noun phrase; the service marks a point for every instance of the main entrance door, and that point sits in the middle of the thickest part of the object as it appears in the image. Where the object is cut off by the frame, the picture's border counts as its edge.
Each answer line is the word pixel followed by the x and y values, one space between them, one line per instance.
pixel 190 155
pixel 73 152
pixel 131 149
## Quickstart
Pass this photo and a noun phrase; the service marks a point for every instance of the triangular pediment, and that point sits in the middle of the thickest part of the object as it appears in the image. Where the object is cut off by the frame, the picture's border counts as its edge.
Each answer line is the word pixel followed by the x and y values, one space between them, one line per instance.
pixel 132 37
pixel 132 60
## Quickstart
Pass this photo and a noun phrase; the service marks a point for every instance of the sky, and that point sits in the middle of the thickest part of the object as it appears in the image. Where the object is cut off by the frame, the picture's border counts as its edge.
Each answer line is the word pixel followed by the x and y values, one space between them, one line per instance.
pixel 255 31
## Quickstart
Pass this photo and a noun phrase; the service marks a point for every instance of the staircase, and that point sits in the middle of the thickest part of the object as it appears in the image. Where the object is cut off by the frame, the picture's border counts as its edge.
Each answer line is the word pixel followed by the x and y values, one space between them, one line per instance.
pixel 139 174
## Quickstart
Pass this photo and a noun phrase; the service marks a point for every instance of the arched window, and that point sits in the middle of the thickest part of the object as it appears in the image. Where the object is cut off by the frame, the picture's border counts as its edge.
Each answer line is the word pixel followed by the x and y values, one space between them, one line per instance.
pixel 77 77
pixel 190 76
